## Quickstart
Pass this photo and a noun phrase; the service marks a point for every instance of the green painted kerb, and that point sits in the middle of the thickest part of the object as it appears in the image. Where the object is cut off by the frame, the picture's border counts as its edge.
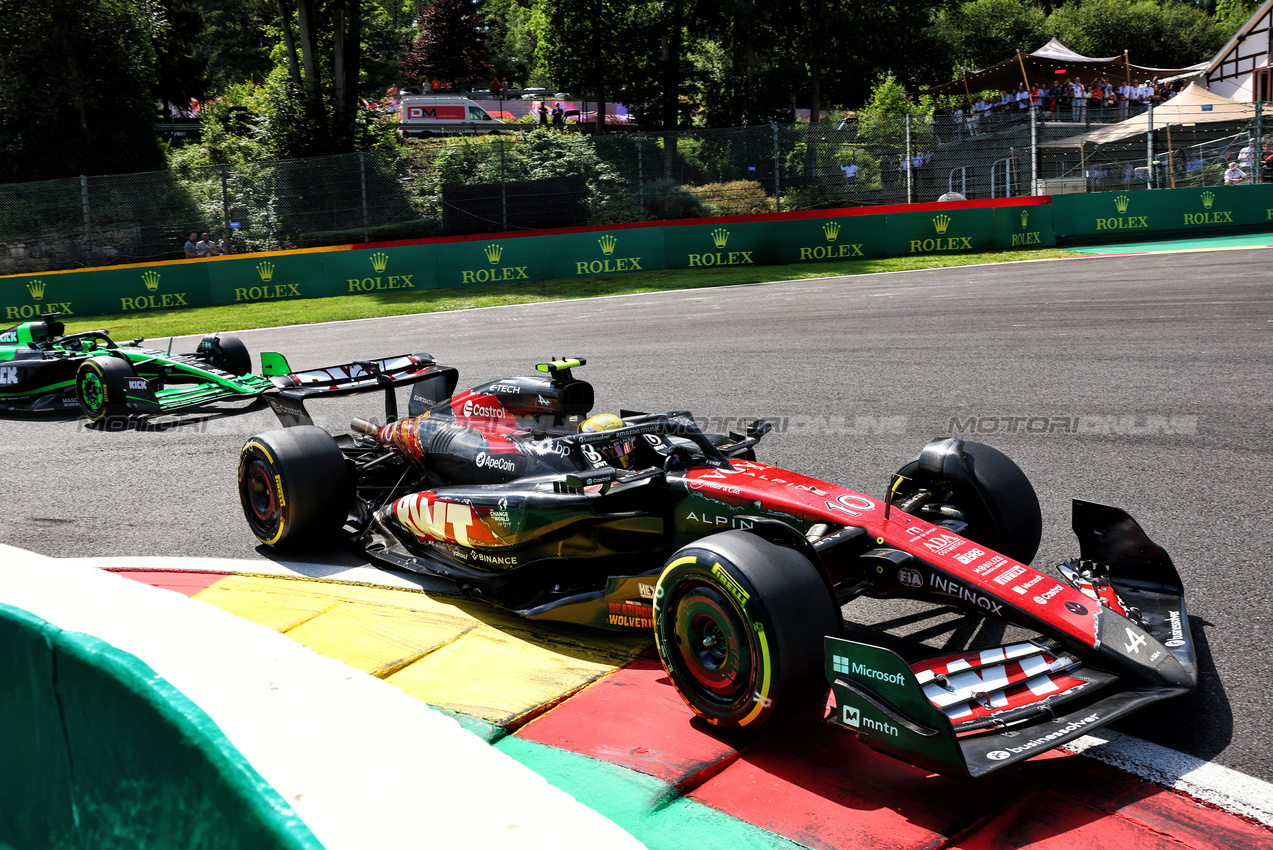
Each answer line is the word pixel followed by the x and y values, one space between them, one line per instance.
pixel 100 751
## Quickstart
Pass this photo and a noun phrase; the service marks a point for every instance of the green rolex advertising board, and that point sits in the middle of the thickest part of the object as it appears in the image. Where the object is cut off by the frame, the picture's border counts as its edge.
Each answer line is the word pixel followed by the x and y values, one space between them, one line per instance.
pixel 269 277
pixel 703 246
pixel 1023 226
pixel 608 252
pixel 819 240
pixel 24 298
pixel 479 262
pixel 940 230
pixel 1136 214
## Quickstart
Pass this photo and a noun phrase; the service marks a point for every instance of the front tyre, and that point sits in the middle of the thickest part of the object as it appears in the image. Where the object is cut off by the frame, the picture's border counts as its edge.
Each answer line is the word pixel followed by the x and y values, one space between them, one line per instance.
pixel 227 353
pixel 294 486
pixel 738 623
pixel 101 385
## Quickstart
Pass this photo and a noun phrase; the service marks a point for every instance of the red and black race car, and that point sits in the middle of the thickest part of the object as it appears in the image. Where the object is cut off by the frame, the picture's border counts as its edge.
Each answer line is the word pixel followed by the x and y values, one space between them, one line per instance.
pixel 642 522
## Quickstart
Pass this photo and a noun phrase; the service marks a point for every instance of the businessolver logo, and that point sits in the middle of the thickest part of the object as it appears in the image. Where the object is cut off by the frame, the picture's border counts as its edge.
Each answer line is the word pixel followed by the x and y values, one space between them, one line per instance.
pixel 268 289
pixel 834 251
pixel 153 299
pixel 1209 216
pixel 379 263
pixel 721 257
pixel 494 272
pixel 942 241
pixel 1025 236
pixel 1123 221
pixel 37 289
pixel 608 264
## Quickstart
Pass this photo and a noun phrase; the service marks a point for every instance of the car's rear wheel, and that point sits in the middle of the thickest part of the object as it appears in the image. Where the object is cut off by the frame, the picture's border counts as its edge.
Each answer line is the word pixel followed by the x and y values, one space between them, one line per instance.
pixel 739 623
pixel 101 384
pixel 294 486
pixel 227 353
pixel 988 490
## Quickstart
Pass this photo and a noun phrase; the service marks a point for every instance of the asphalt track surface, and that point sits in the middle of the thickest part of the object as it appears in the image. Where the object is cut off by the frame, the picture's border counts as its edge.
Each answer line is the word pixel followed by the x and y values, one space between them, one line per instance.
pixel 1137 381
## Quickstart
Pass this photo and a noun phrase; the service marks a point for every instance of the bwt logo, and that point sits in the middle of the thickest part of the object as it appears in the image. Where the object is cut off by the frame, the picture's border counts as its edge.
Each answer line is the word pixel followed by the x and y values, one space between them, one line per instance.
pixel 493 252
pixel 831 230
pixel 941 222
pixel 151 279
pixel 36 288
pixel 607 244
pixel 379 261
pixel 720 237
pixel 265 270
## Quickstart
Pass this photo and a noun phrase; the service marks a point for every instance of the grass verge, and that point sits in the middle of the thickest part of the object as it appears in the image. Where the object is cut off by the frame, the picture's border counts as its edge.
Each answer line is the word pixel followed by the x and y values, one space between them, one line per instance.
pixel 161 323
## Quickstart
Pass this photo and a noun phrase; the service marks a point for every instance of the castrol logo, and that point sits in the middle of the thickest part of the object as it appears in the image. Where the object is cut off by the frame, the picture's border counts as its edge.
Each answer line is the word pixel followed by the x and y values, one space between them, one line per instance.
pixel 482 411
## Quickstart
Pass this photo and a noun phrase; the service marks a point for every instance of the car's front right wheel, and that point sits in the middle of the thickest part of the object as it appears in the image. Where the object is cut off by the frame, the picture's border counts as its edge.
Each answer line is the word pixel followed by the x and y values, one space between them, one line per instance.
pixel 738 623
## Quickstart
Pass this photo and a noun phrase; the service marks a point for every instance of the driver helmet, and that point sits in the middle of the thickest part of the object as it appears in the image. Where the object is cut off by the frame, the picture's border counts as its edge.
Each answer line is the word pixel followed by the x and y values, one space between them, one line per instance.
pixel 616 452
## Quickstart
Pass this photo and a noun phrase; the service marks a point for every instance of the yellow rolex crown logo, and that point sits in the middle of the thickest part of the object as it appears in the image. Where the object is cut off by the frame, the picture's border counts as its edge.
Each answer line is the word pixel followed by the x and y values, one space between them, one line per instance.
pixel 36 288
pixel 1208 198
pixel 493 252
pixel 266 270
pixel 1025 216
pixel 941 222
pixel 379 261
pixel 607 244
pixel 831 229
pixel 151 279
pixel 720 236
pixel 1121 203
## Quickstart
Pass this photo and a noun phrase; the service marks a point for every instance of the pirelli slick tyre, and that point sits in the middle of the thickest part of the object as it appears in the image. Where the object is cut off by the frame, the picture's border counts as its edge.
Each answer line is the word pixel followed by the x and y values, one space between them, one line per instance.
pixel 739 623
pixel 101 387
pixel 294 486
pixel 994 496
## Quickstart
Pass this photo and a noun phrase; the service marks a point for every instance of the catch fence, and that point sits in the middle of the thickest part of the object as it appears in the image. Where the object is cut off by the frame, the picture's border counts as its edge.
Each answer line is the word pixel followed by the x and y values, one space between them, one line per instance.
pixel 552 178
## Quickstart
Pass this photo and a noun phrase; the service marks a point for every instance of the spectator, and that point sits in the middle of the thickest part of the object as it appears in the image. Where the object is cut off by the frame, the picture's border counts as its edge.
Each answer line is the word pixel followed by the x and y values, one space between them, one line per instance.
pixel 223 247
pixel 1267 175
pixel 1234 175
pixel 205 247
pixel 543 114
pixel 192 246
pixel 559 115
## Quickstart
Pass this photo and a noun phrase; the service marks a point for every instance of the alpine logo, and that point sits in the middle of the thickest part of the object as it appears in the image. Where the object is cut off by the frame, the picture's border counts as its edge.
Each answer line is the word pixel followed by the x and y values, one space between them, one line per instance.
pixel 8 374
pixel 503 464
pixel 482 411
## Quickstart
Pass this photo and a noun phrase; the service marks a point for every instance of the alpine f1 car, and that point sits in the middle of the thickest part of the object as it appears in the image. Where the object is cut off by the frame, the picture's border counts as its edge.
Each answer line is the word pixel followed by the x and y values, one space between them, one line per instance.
pixel 643 523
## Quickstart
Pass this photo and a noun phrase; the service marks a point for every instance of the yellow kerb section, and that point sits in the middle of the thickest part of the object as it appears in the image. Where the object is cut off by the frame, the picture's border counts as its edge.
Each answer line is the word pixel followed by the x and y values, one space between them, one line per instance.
pixel 447 651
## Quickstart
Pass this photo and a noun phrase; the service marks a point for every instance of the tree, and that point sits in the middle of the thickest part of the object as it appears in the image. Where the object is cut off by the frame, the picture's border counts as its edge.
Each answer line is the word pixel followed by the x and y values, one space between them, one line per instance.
pixel 451 46
pixel 979 33
pixel 1172 35
pixel 76 79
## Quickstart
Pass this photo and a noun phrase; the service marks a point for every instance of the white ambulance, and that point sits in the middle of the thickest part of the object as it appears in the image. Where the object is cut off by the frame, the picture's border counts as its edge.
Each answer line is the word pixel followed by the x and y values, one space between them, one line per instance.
pixel 425 115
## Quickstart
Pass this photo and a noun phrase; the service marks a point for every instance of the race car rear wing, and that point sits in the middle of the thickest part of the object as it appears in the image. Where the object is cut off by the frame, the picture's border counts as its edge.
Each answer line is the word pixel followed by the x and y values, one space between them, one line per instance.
pixel 430 384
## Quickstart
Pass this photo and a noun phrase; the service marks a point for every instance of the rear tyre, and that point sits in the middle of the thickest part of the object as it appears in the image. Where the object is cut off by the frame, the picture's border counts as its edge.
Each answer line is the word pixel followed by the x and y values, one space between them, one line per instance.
pixel 996 498
pixel 739 623
pixel 101 384
pixel 294 486
pixel 227 353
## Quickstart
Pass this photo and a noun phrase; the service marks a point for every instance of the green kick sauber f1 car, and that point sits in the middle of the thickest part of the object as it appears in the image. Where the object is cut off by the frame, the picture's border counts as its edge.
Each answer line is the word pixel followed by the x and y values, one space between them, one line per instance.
pixel 43 369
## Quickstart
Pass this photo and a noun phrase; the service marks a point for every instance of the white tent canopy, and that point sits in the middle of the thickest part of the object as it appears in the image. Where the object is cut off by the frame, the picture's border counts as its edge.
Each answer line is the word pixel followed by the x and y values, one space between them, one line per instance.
pixel 1194 105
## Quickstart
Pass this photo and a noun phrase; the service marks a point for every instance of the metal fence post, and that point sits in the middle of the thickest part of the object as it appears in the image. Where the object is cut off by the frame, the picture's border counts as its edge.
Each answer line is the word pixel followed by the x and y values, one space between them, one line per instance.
pixel 1034 150
pixel 909 192
pixel 640 177
pixel 362 178
pixel 1258 144
pixel 88 218
pixel 225 201
pixel 777 173
pixel 1149 175
pixel 503 188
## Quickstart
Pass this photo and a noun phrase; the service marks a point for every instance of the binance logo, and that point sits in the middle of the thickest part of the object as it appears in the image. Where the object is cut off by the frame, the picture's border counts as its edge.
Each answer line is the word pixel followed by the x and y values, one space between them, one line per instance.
pixel 265 270
pixel 831 230
pixel 1208 198
pixel 720 237
pixel 379 261
pixel 1121 203
pixel 151 279
pixel 941 222
pixel 607 244
pixel 493 252
pixel 36 288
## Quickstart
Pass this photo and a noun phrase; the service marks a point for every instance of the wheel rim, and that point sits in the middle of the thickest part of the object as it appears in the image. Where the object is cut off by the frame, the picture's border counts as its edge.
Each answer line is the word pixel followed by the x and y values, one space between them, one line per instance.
pixel 91 392
pixel 260 495
pixel 713 644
